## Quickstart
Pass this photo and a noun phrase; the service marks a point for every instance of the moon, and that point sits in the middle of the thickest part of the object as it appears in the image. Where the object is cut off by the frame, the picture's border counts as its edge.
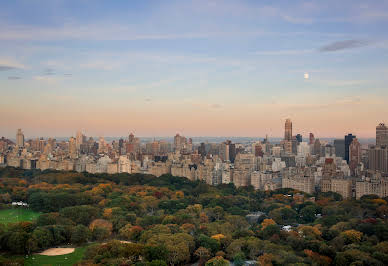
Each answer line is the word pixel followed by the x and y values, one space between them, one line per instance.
pixel 306 75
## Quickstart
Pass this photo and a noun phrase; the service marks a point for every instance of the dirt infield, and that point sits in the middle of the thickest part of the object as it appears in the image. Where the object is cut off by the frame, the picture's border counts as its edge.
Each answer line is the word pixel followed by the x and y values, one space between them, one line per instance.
pixel 57 251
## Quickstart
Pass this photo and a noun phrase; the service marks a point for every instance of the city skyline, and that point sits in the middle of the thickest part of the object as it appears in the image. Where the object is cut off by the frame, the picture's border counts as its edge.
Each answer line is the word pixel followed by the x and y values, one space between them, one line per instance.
pixel 209 68
pixel 380 138
pixel 75 132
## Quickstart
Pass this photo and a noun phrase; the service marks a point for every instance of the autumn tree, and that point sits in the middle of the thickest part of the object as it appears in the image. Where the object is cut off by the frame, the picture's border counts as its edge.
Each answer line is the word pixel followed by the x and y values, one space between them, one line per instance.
pixel 217 261
pixel 203 254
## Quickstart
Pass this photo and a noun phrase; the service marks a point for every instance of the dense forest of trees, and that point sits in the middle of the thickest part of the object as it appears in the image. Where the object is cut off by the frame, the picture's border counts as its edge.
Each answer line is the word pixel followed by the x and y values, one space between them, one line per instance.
pixel 144 220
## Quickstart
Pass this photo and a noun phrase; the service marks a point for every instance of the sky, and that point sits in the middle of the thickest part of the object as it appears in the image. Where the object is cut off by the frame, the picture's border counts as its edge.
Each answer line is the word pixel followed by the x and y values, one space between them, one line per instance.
pixel 198 68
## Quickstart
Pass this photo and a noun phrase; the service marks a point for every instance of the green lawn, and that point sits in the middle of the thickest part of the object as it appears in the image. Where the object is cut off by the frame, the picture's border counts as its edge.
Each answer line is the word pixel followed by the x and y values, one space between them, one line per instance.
pixel 17 215
pixel 61 260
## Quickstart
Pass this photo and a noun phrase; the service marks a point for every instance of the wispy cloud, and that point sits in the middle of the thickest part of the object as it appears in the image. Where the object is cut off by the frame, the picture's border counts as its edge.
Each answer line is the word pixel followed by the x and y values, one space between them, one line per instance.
pixel 14 78
pixel 216 106
pixel 6 68
pixel 47 79
pixel 343 45
pixel 284 52
pixel 10 64
pixel 49 72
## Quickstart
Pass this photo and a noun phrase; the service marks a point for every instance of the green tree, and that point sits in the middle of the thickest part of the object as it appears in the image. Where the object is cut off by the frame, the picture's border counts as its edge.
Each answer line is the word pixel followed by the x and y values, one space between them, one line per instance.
pixel 155 253
pixel 307 214
pixel 43 236
pixel 207 242
pixel 17 242
pixel 239 259
pixel 283 215
pixel 80 234
pixel 81 214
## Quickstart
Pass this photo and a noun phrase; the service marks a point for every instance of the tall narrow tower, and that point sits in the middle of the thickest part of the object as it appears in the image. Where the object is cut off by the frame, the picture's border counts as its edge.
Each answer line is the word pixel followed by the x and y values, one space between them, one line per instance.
pixel 20 138
pixel 79 139
pixel 288 130
pixel 381 135
pixel 348 140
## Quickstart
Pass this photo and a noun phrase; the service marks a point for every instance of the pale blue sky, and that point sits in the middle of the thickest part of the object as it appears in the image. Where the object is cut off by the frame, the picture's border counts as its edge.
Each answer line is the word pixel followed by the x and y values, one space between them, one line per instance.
pixel 215 68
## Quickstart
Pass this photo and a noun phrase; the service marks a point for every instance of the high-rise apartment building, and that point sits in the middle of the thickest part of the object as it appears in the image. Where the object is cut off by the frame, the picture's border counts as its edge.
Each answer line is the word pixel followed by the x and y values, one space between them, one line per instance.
pixel 376 186
pixel 338 185
pixel 378 158
pixel 79 139
pixel 301 183
pixel 179 142
pixel 20 138
pixel 317 147
pixel 348 140
pixel 381 135
pixel 224 151
pixel 72 147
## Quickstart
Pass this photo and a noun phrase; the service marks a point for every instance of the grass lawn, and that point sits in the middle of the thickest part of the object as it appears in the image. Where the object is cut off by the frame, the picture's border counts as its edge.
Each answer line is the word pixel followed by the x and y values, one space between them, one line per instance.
pixel 60 260
pixel 17 215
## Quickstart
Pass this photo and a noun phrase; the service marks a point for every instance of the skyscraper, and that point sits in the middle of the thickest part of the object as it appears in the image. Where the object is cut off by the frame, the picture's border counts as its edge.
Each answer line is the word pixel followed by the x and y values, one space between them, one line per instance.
pixel 339 145
pixel 348 140
pixel 299 138
pixel 354 154
pixel 317 147
pixel 378 159
pixel 72 147
pixel 288 130
pixel 311 139
pixel 131 138
pixel 381 135
pixel 79 139
pixel 20 138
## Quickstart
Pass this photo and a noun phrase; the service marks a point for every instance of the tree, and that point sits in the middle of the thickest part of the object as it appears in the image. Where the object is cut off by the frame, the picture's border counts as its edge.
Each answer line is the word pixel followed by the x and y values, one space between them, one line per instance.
pixel 265 260
pixel 310 232
pixel 354 257
pixel 239 259
pixel 217 261
pixel 101 229
pixel 207 242
pixel 80 214
pixel 155 253
pixel 267 222
pixel 283 215
pixel 351 236
pixel 130 232
pixel 47 219
pixel 178 254
pixel 80 234
pixel 60 234
pixel 269 231
pixel 44 237
pixel 203 254
pixel 308 213
pixel 17 242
